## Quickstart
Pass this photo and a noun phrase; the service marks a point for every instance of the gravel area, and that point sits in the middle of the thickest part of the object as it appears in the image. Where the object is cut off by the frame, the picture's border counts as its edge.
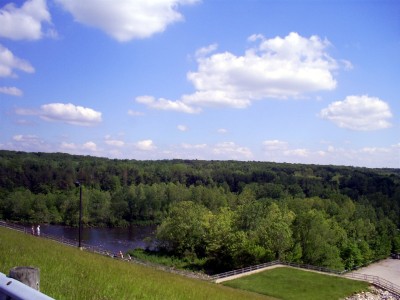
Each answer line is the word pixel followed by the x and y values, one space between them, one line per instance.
pixel 373 294
pixel 388 269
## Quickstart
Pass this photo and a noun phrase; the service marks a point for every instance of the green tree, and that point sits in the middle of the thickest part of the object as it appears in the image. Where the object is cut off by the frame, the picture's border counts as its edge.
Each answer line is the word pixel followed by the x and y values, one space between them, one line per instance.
pixel 183 231
pixel 320 239
pixel 99 203
pixel 274 231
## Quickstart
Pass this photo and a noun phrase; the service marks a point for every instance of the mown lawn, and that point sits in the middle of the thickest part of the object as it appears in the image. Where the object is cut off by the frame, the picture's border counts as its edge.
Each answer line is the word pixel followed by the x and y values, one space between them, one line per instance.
pixel 68 273
pixel 289 283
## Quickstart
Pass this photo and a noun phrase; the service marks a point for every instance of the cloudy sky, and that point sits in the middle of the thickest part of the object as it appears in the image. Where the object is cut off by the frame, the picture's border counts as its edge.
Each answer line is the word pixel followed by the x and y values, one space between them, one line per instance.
pixel 285 81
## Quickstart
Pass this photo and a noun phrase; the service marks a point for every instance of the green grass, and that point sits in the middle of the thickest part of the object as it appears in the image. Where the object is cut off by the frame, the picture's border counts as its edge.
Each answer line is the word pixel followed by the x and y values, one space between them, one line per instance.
pixel 68 273
pixel 289 283
pixel 195 264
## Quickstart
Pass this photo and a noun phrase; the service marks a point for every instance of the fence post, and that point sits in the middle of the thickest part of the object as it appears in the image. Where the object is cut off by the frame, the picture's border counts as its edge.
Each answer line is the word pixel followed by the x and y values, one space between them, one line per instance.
pixel 29 276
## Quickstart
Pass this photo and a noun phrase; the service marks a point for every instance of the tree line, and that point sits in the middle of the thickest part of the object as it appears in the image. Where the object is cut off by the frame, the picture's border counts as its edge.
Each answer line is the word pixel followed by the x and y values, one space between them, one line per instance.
pixel 229 213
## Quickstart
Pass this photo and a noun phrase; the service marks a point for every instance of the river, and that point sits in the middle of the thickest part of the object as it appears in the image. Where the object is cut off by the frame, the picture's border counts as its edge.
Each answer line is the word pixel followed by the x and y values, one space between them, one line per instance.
pixel 112 239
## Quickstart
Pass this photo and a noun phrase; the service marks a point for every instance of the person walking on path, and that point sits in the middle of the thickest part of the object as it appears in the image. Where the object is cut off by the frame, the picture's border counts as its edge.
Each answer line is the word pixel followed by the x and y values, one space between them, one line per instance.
pixel 33 230
pixel 38 230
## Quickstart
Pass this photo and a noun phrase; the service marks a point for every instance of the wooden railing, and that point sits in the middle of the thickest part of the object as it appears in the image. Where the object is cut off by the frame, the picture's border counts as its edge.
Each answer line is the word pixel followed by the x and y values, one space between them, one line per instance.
pixel 378 281
pixel 270 264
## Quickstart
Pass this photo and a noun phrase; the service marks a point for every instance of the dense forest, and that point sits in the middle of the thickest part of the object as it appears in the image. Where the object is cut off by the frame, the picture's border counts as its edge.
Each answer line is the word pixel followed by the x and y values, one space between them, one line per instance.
pixel 229 213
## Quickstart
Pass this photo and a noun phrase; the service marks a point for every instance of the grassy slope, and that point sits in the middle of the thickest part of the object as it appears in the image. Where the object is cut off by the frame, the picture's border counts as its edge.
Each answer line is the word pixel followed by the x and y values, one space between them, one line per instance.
pixel 289 283
pixel 68 273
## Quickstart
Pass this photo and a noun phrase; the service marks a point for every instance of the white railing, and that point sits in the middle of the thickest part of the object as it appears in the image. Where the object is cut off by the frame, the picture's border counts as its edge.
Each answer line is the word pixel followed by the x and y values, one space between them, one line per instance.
pixel 14 290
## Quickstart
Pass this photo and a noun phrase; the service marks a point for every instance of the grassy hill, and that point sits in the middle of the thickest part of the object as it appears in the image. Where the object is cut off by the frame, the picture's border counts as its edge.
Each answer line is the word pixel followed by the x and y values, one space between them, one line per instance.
pixel 68 273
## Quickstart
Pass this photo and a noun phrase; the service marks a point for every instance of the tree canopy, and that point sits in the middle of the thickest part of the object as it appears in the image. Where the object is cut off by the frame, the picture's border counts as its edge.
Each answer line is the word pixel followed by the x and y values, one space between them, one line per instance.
pixel 229 212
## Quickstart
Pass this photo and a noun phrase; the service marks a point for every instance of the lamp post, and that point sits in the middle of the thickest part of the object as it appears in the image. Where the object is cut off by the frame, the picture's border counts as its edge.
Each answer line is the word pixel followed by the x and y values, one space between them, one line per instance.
pixel 78 184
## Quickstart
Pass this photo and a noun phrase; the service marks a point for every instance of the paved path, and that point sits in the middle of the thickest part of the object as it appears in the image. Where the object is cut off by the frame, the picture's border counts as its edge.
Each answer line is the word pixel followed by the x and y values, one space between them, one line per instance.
pixel 388 269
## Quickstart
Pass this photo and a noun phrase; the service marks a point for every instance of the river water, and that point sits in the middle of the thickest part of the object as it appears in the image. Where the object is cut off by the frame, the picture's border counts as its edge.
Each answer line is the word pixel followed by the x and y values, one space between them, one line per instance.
pixel 112 239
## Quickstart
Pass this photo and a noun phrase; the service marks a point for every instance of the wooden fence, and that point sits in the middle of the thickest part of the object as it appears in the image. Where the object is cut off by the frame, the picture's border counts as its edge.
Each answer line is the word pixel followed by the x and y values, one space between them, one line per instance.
pixel 377 281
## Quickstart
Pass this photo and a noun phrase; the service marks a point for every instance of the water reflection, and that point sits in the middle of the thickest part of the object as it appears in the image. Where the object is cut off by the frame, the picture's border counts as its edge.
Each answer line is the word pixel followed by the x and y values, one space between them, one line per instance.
pixel 113 239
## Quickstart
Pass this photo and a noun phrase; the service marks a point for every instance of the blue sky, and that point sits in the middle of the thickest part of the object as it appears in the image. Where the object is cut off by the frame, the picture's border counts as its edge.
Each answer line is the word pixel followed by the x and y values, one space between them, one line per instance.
pixel 285 81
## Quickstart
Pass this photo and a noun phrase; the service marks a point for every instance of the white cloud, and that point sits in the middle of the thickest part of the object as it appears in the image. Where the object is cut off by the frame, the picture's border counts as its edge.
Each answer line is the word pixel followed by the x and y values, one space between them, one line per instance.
pixel 26 112
pixel 135 113
pixel 125 20
pixel 205 50
pixel 12 91
pixel 91 146
pixel 222 131
pixel 164 104
pixel 276 68
pixel 359 113
pixel 193 146
pixel 68 146
pixel 24 23
pixel 69 113
pixel 182 128
pixel 229 150
pixel 9 63
pixel 372 156
pixel 297 152
pixel 28 142
pixel 116 143
pixel 275 145
pixel 145 145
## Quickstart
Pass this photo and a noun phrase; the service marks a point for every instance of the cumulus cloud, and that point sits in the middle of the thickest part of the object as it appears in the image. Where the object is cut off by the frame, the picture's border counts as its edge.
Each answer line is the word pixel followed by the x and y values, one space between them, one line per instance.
pixel 164 104
pixel 193 146
pixel 281 151
pixel 297 152
pixel 114 142
pixel 278 68
pixel 274 145
pixel 368 156
pixel 25 22
pixel 233 151
pixel 12 91
pixel 145 145
pixel 182 128
pixel 27 142
pixel 125 20
pixel 359 113
pixel 91 146
pixel 135 113
pixel 222 131
pixel 9 63
pixel 69 113
pixel 68 146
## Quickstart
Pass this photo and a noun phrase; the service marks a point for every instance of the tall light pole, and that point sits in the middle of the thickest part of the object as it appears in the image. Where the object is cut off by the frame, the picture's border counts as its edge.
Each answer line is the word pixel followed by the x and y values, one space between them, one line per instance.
pixel 78 184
